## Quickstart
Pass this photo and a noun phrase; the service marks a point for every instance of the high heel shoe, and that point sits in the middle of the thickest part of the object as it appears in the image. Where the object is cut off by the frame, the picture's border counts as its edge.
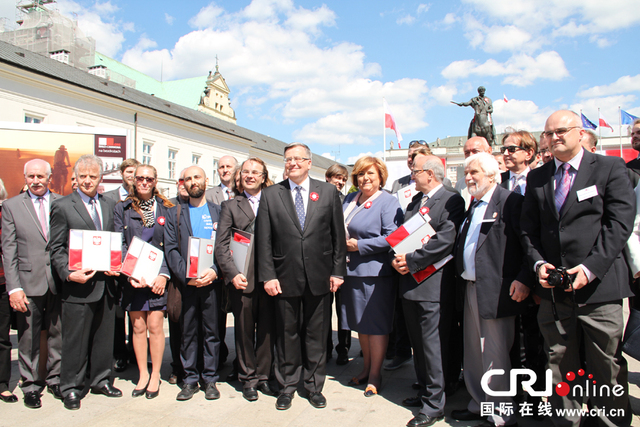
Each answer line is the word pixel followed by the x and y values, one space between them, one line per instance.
pixel 153 394
pixel 139 392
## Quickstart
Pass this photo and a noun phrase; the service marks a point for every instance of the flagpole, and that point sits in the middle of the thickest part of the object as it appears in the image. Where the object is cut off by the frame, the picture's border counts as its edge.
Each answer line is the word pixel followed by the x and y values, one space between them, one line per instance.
pixel 600 131
pixel 384 133
pixel 620 128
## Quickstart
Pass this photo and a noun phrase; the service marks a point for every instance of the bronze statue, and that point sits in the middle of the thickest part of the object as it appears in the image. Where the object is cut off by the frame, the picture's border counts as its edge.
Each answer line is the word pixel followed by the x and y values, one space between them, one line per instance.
pixel 481 124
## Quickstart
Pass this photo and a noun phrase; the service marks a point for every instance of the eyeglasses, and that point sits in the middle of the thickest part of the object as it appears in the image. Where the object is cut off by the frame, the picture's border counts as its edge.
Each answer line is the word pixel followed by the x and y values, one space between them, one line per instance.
pixel 511 149
pixel 181 181
pixel 295 159
pixel 251 173
pixel 560 132
pixel 416 172
pixel 148 179
pixel 418 142
pixel 544 151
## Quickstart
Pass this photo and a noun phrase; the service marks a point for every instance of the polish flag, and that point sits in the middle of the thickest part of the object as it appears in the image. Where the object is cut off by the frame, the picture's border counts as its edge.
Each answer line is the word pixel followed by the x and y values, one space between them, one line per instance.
pixel 504 97
pixel 116 251
pixel 389 122
pixel 75 249
pixel 603 122
pixel 131 258
pixel 194 252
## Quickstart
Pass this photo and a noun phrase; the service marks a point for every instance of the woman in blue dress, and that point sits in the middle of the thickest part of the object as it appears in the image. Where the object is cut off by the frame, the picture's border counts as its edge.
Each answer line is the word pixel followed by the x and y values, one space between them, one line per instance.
pixel 368 293
pixel 142 215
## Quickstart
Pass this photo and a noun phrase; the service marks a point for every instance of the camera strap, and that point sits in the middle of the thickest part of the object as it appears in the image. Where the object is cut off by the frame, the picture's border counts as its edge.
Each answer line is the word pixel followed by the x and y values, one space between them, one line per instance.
pixel 556 318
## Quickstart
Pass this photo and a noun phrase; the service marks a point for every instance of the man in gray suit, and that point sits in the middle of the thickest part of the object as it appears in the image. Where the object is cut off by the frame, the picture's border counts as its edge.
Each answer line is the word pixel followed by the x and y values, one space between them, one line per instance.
pixel 427 302
pixel 31 284
pixel 128 172
pixel 218 194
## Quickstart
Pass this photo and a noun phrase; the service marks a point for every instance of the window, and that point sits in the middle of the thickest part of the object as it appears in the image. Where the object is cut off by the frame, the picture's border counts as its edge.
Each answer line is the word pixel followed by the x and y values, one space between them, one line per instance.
pixel 146 153
pixel 216 177
pixel 172 163
pixel 32 119
pixel 195 159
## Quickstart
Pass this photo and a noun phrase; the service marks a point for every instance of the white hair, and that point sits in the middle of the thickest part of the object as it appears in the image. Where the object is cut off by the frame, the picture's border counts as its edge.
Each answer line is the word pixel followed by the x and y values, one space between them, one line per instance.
pixel 488 164
pixel 37 161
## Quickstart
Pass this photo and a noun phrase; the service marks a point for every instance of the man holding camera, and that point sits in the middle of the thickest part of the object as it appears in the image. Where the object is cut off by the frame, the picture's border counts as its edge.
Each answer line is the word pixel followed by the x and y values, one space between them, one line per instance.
pixel 578 213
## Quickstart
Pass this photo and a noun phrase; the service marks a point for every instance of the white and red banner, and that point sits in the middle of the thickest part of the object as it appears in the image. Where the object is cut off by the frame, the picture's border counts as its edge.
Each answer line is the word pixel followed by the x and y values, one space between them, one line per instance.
pixel 95 250
pixel 200 257
pixel 412 235
pixel 602 122
pixel 389 121
pixel 143 261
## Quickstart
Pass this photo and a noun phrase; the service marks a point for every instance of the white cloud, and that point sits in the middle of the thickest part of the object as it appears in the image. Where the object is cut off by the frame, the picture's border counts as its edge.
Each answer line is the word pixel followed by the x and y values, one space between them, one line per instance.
pixel 623 85
pixel 97 21
pixel 168 18
pixel 444 94
pixel 423 8
pixel 450 18
pixel 519 114
pixel 207 17
pixel 519 70
pixel 328 156
pixel 351 160
pixel 406 19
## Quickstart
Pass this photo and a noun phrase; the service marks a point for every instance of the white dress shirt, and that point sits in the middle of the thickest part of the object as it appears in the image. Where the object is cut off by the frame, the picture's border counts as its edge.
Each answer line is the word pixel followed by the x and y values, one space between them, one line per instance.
pixel 470 243
pixel 519 179
pixel 226 191
pixel 36 204
pixel 304 187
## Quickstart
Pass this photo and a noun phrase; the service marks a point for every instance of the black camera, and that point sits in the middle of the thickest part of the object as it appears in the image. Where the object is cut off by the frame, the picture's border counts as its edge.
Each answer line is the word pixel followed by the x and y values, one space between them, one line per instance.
pixel 559 278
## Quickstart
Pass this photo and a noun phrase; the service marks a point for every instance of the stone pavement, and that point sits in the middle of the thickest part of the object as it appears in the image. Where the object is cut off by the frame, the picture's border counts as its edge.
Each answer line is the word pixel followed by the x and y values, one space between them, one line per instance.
pixel 346 406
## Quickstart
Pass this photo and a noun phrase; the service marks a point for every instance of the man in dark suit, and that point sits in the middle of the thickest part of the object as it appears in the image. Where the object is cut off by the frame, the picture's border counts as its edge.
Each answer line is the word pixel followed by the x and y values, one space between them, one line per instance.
pixel 578 213
pixel 635 143
pixel 490 260
pixel 519 150
pixel 31 284
pixel 197 218
pixel 252 308
pixel 122 353
pixel 301 257
pixel 428 303
pixel 338 175
pixel 88 297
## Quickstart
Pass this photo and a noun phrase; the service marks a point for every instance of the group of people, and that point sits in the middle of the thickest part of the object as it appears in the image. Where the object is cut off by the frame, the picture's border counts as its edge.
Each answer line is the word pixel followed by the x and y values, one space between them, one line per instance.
pixel 479 293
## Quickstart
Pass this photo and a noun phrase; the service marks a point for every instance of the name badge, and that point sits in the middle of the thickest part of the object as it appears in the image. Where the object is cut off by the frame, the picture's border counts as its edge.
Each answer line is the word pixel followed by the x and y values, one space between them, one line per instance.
pixel 587 193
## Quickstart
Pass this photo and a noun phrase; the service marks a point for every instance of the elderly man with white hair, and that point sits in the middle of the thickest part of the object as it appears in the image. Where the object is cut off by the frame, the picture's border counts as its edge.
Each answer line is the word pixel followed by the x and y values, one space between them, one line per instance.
pixel 490 260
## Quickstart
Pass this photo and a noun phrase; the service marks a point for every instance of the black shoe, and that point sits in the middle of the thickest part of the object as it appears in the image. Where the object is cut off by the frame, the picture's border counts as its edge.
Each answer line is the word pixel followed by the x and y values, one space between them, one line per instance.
pixel 120 365
pixel 396 363
pixel 72 401
pixel 465 415
pixel 412 402
pixel 211 392
pixel 342 359
pixel 11 398
pixel 32 400
pixel 187 391
pixel 416 386
pixel 152 394
pixel 139 392
pixel 250 393
pixel 55 391
pixel 422 420
pixel 173 379
pixel 284 401
pixel 265 389
pixel 108 390
pixel 317 400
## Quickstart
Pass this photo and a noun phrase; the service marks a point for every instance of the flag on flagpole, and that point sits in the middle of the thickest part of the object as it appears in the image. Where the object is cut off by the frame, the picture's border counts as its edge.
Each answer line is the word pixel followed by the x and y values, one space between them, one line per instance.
pixel 586 123
pixel 389 122
pixel 504 97
pixel 627 118
pixel 603 122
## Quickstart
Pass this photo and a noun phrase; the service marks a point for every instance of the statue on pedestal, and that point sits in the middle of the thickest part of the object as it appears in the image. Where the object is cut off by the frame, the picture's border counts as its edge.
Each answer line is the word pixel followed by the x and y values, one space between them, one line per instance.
pixel 482 123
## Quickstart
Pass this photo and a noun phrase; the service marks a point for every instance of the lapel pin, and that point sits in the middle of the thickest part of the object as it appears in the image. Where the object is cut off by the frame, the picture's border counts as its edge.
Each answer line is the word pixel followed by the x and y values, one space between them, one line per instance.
pixel 314 196
pixel 424 210
pixel 367 205
pixel 161 220
pixel 495 214
pixel 215 226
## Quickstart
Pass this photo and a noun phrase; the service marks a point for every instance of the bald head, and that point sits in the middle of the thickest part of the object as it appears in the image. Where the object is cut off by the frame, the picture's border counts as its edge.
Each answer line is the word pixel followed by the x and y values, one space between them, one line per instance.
pixel 37 176
pixel 475 145
pixel 563 132
pixel 195 181
pixel 226 165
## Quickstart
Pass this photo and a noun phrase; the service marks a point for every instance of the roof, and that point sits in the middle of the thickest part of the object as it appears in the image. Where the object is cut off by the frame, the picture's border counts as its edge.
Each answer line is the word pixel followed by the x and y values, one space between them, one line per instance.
pixel 42 65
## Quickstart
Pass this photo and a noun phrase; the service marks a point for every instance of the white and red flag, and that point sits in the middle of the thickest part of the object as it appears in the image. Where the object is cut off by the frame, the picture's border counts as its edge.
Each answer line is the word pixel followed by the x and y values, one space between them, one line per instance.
pixel 504 98
pixel 602 122
pixel 389 121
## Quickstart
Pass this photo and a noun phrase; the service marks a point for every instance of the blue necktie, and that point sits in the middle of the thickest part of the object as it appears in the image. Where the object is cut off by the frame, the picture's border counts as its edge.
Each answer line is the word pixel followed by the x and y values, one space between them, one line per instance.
pixel 299 206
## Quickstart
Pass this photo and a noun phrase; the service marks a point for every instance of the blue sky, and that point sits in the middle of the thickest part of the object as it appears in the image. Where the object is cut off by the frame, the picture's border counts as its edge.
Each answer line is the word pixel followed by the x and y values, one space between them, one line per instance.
pixel 316 71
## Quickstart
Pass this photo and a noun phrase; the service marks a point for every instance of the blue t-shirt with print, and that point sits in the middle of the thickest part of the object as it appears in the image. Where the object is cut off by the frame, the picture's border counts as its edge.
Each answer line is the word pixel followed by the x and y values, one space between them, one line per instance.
pixel 201 223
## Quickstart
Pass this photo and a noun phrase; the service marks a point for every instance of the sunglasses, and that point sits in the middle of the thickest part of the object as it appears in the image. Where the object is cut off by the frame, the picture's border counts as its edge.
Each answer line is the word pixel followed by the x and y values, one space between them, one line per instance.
pixel 418 142
pixel 511 149
pixel 148 179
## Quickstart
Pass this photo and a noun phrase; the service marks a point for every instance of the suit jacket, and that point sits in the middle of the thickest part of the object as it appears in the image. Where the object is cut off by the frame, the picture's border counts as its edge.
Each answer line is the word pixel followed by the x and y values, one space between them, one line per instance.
pixel 214 195
pixel 371 227
pixel 68 213
pixel 176 242
pixel 500 258
pixel 234 213
pixel 634 171
pixel 113 194
pixel 633 244
pixel 446 209
pixel 505 176
pixel 591 232
pixel 297 256
pixel 400 183
pixel 26 254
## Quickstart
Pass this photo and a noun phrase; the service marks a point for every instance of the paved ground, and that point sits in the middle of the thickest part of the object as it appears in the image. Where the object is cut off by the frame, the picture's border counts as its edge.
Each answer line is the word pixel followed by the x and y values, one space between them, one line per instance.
pixel 346 406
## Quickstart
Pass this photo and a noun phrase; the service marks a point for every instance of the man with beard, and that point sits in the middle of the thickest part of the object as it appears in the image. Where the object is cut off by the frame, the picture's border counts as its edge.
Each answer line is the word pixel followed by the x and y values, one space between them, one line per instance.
pixel 197 218
pixel 31 284
pixel 490 260
pixel 128 172
pixel 635 143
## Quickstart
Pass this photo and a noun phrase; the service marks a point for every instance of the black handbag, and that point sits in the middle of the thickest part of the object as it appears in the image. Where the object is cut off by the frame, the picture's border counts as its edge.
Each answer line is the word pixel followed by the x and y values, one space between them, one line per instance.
pixel 631 340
